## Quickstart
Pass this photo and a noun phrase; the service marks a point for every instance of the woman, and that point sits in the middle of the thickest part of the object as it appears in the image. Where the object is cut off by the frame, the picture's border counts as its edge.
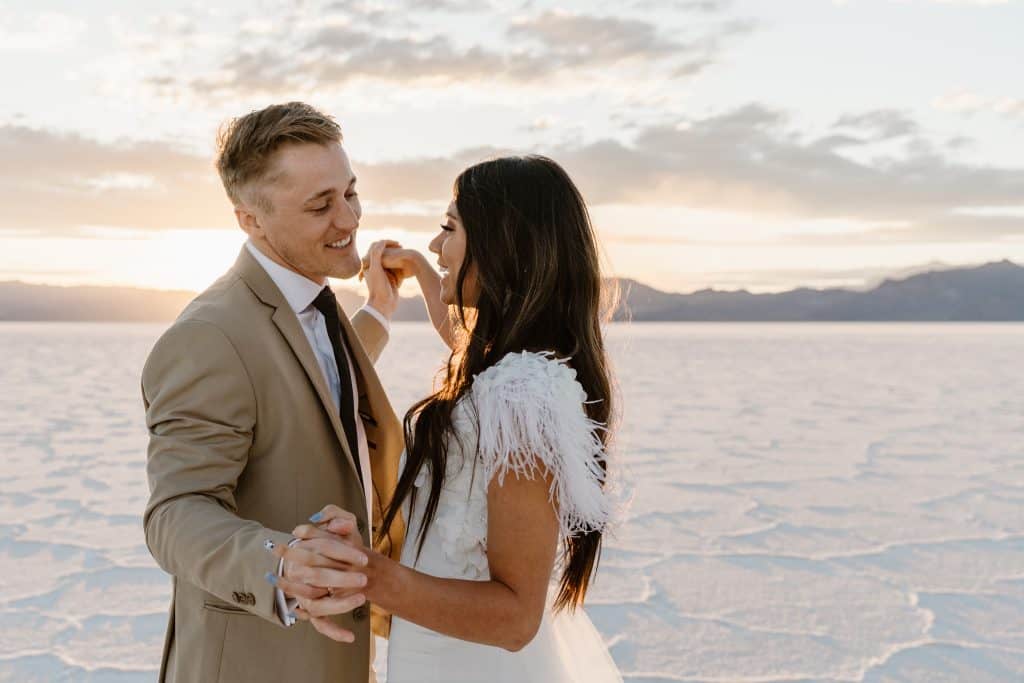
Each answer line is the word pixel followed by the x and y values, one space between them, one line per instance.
pixel 504 474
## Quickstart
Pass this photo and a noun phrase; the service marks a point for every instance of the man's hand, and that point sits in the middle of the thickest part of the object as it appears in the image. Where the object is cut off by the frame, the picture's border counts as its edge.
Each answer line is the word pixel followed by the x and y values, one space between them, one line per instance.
pixel 380 575
pixel 312 567
pixel 330 542
pixel 322 570
pixel 382 283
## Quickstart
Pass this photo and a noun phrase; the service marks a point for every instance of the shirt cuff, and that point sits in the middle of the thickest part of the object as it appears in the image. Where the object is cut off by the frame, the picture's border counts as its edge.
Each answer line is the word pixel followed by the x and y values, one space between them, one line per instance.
pixel 378 316
pixel 285 606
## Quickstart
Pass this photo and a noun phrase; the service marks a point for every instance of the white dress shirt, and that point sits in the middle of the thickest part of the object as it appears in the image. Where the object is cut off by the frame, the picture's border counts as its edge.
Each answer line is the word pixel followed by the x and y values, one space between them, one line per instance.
pixel 300 292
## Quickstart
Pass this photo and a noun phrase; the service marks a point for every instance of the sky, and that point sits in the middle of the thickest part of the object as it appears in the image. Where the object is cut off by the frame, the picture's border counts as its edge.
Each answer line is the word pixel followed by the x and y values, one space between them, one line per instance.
pixel 727 144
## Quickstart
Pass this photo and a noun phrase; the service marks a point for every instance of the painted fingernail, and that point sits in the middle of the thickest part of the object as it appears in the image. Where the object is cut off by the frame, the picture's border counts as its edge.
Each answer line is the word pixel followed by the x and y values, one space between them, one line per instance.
pixel 316 518
pixel 269 545
pixel 271 578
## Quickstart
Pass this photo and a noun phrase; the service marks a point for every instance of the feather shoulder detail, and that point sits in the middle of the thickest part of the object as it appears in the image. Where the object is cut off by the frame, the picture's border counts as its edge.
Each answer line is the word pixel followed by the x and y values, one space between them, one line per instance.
pixel 530 412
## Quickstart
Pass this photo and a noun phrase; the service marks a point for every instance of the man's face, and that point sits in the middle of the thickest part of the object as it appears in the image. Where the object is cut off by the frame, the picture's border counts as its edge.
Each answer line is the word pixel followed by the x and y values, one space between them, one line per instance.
pixel 310 213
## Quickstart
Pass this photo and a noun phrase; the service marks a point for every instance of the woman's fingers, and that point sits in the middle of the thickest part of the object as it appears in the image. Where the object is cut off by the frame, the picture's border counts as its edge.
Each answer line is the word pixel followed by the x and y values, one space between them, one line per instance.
pixel 323 552
pixel 344 530
pixel 332 605
pixel 341 531
pixel 298 589
pixel 307 531
pixel 366 261
pixel 330 552
pixel 335 527
pixel 326 577
pixel 394 258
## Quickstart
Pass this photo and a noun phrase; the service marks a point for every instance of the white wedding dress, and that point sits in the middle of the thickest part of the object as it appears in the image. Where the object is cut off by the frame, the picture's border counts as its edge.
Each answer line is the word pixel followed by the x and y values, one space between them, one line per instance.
pixel 528 403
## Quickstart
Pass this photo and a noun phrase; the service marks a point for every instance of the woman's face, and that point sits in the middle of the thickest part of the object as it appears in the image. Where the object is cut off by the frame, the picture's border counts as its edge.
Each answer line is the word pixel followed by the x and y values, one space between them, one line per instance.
pixel 450 247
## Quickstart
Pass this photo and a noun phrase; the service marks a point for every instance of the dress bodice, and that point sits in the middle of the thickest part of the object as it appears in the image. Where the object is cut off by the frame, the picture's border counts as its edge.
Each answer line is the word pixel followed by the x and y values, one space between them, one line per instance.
pixel 524 414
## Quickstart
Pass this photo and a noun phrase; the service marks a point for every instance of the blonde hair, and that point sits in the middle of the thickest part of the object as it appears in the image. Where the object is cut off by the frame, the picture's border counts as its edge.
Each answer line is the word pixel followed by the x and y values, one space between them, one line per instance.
pixel 245 145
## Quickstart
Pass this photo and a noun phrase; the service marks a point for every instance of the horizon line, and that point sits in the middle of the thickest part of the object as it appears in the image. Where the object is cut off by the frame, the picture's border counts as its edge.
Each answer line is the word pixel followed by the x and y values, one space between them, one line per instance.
pixel 355 289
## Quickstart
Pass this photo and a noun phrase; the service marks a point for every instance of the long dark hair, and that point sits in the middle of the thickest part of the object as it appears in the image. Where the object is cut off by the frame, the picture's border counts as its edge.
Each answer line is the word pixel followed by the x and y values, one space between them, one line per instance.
pixel 529 236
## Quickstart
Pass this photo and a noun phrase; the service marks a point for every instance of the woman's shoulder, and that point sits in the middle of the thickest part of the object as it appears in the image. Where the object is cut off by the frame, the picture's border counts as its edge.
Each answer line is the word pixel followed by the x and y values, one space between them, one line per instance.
pixel 531 416
pixel 529 375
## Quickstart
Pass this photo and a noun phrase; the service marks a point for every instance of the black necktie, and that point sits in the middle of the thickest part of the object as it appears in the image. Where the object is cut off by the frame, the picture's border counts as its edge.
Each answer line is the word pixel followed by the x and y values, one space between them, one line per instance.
pixel 327 304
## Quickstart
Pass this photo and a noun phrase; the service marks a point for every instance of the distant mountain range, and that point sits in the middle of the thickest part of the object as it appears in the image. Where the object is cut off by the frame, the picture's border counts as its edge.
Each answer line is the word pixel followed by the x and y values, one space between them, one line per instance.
pixel 991 292
pixel 994 291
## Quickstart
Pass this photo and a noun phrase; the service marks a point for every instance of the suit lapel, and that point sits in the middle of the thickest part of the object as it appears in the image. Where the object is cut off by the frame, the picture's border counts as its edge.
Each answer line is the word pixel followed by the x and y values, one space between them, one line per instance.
pixel 368 384
pixel 383 433
pixel 288 325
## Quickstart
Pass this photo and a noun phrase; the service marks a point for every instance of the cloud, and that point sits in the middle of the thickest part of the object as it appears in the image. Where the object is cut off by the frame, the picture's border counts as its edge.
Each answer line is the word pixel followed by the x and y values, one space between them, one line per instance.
pixel 707 6
pixel 55 183
pixel 747 159
pixel 39 32
pixel 448 5
pixel 968 102
pixel 976 3
pixel 352 42
pixel 573 40
pixel 64 184
pixel 880 125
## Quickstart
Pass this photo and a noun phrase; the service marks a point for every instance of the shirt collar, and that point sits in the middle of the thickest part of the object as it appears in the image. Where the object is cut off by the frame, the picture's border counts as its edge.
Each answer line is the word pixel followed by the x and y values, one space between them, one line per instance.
pixel 298 290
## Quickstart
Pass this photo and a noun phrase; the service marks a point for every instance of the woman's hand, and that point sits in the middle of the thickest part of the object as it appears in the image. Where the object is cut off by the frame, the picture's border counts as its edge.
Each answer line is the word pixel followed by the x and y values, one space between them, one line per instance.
pixel 378 573
pixel 314 565
pixel 404 262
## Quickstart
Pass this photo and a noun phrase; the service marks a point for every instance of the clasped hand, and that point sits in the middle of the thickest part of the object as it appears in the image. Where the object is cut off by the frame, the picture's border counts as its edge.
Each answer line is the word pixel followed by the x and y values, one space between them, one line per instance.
pixel 327 570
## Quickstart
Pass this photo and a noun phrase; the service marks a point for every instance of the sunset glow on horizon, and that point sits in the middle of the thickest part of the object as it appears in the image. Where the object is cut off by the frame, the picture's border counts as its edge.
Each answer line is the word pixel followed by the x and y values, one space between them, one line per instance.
pixel 729 144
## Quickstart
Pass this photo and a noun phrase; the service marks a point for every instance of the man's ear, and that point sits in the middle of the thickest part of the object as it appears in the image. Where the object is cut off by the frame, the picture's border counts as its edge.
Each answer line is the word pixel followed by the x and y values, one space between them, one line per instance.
pixel 247 221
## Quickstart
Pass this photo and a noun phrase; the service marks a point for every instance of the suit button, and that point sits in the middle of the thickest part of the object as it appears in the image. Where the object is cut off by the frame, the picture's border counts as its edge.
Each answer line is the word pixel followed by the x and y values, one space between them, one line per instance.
pixel 361 525
pixel 359 613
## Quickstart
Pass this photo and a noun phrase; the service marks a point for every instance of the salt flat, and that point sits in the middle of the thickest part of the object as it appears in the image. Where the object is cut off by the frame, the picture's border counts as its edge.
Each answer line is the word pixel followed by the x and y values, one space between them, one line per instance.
pixel 811 502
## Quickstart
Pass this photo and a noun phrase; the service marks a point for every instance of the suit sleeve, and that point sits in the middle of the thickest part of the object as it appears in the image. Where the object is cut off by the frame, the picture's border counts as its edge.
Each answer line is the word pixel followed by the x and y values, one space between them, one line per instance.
pixel 201 413
pixel 372 334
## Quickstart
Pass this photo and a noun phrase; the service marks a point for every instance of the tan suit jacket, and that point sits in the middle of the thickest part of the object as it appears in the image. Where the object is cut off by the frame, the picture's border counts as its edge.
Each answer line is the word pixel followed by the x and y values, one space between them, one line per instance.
pixel 245 444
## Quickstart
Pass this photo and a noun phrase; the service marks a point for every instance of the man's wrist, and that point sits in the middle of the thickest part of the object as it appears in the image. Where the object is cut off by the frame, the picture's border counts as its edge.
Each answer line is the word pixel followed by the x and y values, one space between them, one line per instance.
pixel 378 316
pixel 386 307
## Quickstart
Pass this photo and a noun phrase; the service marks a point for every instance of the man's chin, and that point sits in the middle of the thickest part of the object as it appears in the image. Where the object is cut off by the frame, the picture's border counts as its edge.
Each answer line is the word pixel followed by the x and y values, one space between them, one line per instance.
pixel 346 268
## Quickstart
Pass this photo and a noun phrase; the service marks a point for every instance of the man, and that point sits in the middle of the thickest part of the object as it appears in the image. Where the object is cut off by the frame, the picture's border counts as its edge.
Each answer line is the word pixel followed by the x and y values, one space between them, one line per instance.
pixel 262 406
